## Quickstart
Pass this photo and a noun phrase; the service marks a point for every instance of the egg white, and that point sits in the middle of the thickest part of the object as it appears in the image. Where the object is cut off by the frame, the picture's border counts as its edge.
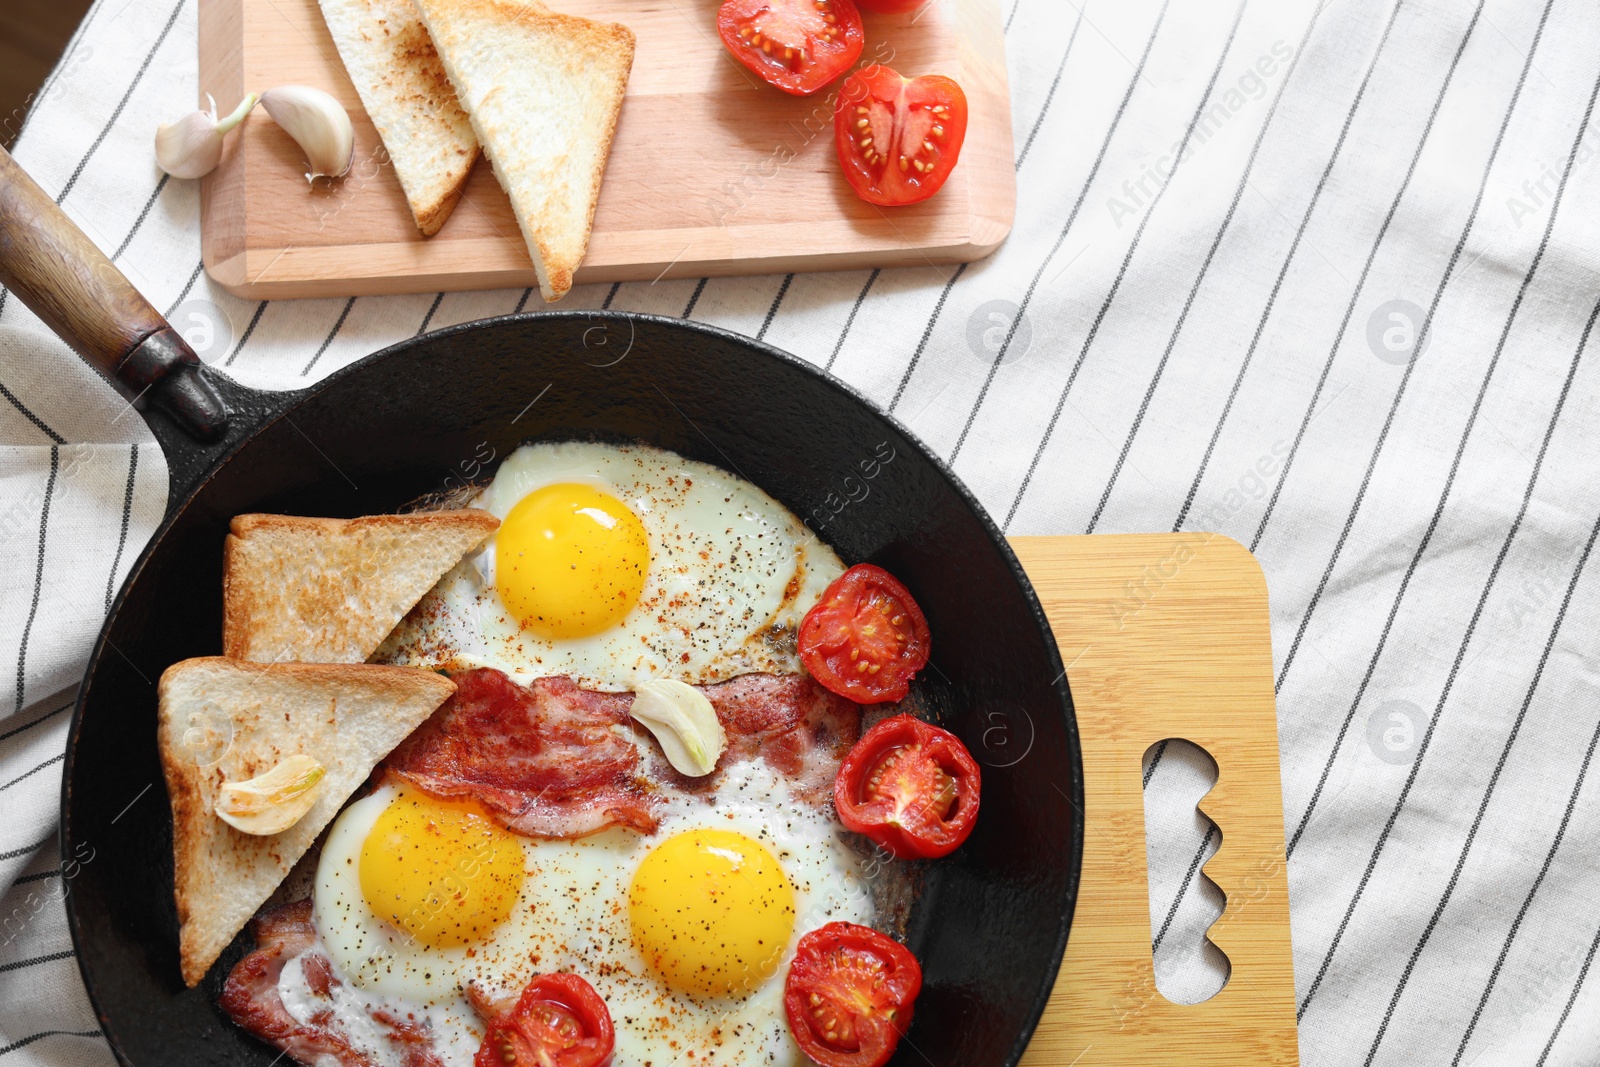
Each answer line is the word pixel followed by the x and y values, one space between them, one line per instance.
pixel 572 916
pixel 732 572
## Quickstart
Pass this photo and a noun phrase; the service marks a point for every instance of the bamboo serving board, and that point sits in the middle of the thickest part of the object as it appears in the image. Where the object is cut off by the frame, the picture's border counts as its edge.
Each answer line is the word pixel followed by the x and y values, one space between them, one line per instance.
pixel 712 172
pixel 1166 635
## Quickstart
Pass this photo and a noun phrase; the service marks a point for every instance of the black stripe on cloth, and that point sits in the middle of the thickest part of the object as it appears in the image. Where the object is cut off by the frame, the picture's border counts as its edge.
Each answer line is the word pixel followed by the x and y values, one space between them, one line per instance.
pixel 17 965
pixel 605 305
pixel 328 340
pixel 26 849
pixel 138 222
pixel 1116 282
pixel 851 318
pixel 28 774
pixel 1205 266
pixel 249 329
pixel 1009 17
pixel 766 323
pixel 1155 761
pixel 432 308
pixel 38 575
pixel 523 302
pixel 14 731
pixel 30 416
pixel 1511 738
pixel 1427 534
pixel 1577 987
pixel 1188 878
pixel 193 276
pixel 42 1034
pixel 1072 216
pixel 694 298
pixel 927 332
pixel 1361 281
pixel 1405 377
pixel 1494 571
pixel 127 512
pixel 1527 901
pixel 41 876
pixel 1050 96
pixel 1288 259
pixel 77 172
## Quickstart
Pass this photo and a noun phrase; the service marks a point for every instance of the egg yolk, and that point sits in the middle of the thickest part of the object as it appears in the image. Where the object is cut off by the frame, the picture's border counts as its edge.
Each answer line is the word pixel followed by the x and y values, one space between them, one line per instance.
pixel 712 911
pixel 440 870
pixel 570 560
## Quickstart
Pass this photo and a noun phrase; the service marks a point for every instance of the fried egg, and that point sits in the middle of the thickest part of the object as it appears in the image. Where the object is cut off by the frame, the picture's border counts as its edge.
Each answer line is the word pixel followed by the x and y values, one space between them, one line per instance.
pixel 616 565
pixel 686 934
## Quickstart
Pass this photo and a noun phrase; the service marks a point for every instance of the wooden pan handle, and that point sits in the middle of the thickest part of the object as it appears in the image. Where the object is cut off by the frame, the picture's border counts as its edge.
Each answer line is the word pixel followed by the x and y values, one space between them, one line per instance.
pixel 58 272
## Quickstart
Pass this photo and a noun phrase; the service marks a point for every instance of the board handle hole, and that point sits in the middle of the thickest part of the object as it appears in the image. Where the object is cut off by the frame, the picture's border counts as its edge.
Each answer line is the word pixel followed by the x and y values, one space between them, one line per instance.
pixel 1184 903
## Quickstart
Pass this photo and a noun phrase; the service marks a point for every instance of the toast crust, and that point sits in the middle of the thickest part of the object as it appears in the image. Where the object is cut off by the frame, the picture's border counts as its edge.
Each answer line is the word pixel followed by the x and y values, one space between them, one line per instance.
pixel 431 217
pixel 221 720
pixel 300 589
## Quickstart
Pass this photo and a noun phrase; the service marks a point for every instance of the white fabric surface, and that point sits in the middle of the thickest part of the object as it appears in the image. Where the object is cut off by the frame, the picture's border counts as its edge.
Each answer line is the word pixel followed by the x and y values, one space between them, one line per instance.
pixel 1208 353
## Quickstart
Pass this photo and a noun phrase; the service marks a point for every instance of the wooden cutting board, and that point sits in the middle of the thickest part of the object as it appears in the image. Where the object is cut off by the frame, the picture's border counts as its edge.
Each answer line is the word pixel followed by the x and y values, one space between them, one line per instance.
pixel 1166 635
pixel 712 172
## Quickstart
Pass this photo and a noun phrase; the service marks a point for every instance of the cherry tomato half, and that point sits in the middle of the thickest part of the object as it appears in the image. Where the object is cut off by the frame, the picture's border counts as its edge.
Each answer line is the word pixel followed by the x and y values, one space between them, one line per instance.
pixel 797 45
pixel 898 138
pixel 866 637
pixel 911 787
pixel 559 1021
pixel 849 995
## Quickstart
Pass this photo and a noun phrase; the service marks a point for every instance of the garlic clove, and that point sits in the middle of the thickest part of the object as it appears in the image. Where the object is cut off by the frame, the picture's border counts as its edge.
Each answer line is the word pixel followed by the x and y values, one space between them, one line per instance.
pixel 272 802
pixel 192 146
pixel 683 722
pixel 318 124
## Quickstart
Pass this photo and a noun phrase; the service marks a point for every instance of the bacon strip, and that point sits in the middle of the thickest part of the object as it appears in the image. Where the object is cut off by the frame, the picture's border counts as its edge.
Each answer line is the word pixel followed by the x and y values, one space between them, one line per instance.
pixel 800 729
pixel 547 761
pixel 250 995
pixel 543 758
pixel 414 1040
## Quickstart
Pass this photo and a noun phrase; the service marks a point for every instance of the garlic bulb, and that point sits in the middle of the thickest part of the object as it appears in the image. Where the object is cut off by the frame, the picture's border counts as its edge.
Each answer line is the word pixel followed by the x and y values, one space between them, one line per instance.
pixel 192 146
pixel 319 126
pixel 272 802
pixel 684 722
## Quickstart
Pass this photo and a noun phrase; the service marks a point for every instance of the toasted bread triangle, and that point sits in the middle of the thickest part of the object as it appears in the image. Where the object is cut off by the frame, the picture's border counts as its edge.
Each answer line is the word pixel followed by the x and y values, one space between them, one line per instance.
pixel 544 91
pixel 404 91
pixel 301 590
pixel 220 721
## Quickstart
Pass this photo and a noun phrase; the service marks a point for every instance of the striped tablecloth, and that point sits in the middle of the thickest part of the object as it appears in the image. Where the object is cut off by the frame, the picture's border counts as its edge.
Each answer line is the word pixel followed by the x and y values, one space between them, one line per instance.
pixel 1318 277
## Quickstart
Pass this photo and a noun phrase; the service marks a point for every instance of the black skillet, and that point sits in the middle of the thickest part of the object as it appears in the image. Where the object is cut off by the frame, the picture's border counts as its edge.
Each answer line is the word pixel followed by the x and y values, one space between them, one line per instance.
pixel 990 922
